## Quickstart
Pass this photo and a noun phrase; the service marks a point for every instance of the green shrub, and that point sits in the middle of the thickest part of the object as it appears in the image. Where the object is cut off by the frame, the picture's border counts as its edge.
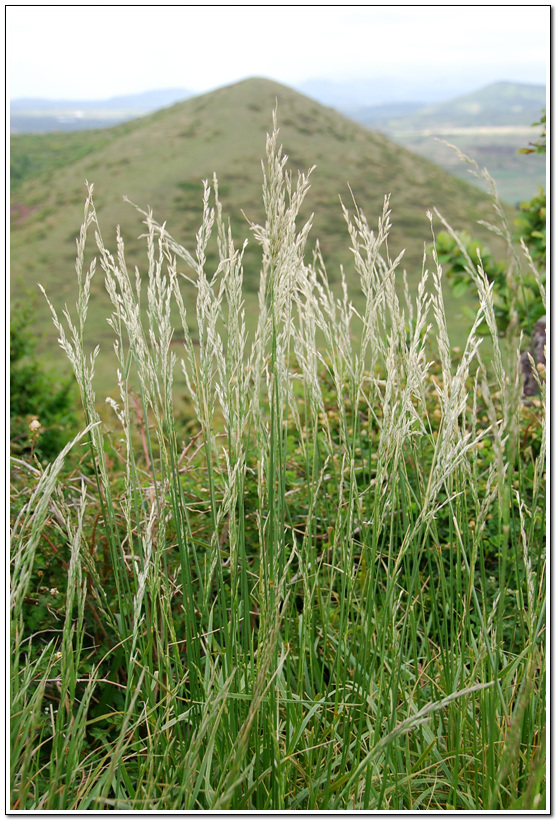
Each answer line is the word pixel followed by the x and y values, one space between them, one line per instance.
pixel 42 408
pixel 461 256
pixel 531 224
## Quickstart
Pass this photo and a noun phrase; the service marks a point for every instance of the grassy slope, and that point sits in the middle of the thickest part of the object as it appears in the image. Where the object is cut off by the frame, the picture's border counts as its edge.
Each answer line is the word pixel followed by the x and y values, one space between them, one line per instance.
pixel 160 160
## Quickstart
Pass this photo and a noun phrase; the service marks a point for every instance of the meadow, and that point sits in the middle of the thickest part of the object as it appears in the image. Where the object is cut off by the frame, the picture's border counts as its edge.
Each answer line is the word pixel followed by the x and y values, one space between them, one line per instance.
pixel 322 584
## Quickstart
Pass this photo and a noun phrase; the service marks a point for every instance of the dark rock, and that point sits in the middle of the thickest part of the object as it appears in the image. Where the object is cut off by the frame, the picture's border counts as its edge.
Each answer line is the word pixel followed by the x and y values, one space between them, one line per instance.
pixel 537 352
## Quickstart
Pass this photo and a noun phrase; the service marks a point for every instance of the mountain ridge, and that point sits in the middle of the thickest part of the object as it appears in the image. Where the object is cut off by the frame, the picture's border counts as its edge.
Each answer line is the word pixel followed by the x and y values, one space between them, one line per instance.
pixel 137 100
pixel 502 103
pixel 381 90
pixel 347 97
pixel 40 115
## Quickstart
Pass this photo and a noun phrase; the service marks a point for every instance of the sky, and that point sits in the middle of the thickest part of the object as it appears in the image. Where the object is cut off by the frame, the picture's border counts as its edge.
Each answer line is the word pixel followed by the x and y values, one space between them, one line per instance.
pixel 97 52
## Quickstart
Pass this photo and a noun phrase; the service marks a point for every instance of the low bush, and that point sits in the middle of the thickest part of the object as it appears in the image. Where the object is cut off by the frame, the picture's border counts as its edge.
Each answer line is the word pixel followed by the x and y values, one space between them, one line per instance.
pixel 42 406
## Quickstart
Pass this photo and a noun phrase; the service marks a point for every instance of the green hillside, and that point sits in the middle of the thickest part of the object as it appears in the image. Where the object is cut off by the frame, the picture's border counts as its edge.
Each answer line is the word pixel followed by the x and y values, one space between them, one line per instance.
pixel 161 160
pixel 496 104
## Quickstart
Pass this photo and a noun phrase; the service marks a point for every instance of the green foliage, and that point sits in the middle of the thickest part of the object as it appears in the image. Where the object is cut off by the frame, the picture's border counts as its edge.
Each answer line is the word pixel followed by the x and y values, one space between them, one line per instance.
pixel 42 407
pixel 42 155
pixel 531 221
pixel 461 255
pixel 454 254
pixel 531 224
pixel 539 146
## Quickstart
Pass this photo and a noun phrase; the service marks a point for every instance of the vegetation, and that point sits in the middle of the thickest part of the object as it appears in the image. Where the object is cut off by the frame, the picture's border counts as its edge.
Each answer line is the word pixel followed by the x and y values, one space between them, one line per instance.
pixel 539 146
pixel 42 407
pixel 531 221
pixel 221 131
pixel 324 587
pixel 37 155
pixel 519 302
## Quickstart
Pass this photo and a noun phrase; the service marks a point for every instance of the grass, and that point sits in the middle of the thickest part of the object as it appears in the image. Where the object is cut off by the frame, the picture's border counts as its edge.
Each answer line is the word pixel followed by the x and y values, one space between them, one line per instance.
pixel 221 132
pixel 324 589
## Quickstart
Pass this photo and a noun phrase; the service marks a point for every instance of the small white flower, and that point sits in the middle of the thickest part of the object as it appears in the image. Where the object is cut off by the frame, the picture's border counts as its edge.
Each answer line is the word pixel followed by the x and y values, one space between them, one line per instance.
pixel 34 425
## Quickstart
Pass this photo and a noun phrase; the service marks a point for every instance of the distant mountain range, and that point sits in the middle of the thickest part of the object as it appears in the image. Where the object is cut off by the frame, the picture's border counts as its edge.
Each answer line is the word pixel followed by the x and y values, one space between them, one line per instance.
pixel 32 115
pixel 496 104
pixel 145 102
pixel 382 90
pixel 370 102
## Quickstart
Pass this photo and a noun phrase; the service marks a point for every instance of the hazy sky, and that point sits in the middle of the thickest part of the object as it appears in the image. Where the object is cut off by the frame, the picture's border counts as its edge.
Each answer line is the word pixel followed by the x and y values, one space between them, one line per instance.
pixel 94 52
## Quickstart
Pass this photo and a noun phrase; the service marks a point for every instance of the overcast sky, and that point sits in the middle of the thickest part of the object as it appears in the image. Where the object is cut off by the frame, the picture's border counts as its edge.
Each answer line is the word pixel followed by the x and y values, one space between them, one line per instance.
pixel 95 52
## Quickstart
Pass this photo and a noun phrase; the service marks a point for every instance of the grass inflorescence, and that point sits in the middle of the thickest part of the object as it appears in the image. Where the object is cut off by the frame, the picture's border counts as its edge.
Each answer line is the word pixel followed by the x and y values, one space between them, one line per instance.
pixel 323 589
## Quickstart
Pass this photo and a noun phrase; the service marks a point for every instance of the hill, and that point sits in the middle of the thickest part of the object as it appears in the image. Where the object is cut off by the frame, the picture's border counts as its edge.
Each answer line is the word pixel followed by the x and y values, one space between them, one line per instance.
pixel 490 125
pixel 160 161
pixel 497 104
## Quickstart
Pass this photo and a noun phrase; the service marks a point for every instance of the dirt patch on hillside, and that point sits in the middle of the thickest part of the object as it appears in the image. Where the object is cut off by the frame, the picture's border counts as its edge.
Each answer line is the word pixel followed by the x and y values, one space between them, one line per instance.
pixel 20 212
